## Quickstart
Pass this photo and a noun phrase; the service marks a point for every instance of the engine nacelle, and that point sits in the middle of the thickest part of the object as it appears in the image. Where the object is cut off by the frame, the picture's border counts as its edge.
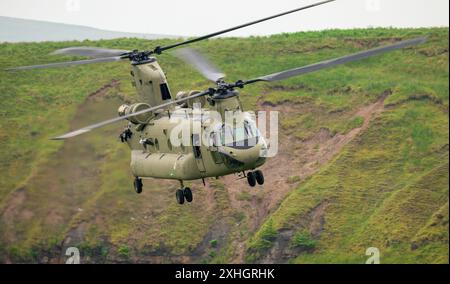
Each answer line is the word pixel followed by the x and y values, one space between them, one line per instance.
pixel 138 119
pixel 190 103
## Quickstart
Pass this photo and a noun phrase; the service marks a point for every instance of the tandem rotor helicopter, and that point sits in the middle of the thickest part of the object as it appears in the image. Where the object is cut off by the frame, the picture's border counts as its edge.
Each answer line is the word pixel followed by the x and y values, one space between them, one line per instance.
pixel 149 122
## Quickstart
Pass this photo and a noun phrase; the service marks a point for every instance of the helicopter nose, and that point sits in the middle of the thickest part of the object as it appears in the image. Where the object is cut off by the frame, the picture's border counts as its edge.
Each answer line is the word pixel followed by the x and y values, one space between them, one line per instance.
pixel 262 151
pixel 251 156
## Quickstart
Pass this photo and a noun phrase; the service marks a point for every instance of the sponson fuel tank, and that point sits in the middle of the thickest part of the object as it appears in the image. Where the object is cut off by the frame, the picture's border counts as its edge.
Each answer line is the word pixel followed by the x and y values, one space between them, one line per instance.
pixel 164 165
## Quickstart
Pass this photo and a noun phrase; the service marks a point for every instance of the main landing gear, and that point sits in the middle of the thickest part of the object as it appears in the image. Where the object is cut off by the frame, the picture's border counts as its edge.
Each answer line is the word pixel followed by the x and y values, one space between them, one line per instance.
pixel 255 177
pixel 137 185
pixel 183 194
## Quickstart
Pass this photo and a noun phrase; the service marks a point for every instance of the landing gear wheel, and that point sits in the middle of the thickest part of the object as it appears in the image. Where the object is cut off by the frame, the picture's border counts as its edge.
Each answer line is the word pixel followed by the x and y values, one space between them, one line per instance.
pixel 251 179
pixel 138 185
pixel 180 196
pixel 187 194
pixel 259 177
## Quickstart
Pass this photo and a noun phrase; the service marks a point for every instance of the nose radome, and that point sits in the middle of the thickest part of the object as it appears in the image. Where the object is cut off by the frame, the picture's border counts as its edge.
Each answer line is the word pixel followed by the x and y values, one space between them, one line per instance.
pixel 253 154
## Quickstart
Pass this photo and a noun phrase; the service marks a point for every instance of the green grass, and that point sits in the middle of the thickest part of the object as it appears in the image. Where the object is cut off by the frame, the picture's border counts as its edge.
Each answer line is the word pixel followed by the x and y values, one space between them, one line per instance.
pixel 387 189
pixel 353 123
pixel 303 240
pixel 389 186
pixel 213 243
pixel 381 191
pixel 265 237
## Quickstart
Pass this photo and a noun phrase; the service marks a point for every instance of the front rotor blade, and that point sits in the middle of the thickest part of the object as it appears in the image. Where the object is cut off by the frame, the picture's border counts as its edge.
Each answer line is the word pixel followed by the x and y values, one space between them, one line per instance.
pixel 201 63
pixel 67 63
pixel 163 48
pixel 94 52
pixel 116 119
pixel 333 62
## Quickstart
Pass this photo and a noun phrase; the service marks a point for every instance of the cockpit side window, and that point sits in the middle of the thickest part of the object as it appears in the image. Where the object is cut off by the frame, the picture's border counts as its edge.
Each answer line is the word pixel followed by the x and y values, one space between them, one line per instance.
pixel 248 129
pixel 165 93
pixel 215 142
pixel 227 135
pixel 214 139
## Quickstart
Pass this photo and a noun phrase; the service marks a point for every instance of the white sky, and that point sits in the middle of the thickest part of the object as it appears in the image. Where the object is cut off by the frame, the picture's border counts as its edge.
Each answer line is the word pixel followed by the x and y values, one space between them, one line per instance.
pixel 197 17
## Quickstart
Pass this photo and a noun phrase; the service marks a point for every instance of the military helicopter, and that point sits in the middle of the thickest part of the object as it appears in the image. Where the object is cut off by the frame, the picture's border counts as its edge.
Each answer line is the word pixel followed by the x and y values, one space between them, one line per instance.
pixel 232 149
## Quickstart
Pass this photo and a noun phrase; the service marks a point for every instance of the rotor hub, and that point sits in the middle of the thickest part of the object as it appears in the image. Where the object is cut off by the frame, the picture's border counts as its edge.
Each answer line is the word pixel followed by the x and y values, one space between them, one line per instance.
pixel 140 57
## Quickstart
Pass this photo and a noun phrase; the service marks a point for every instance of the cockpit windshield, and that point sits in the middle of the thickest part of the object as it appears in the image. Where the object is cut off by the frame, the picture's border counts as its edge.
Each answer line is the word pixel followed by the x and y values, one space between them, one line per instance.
pixel 243 137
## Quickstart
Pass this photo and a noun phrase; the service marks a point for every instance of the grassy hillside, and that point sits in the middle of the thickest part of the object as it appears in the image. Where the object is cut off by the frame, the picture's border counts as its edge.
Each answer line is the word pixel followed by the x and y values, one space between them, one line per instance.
pixel 363 158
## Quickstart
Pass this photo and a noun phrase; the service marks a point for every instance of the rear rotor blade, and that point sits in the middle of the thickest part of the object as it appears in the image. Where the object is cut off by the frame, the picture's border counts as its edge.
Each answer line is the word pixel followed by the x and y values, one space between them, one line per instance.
pixel 201 63
pixel 94 52
pixel 160 49
pixel 116 119
pixel 67 63
pixel 333 62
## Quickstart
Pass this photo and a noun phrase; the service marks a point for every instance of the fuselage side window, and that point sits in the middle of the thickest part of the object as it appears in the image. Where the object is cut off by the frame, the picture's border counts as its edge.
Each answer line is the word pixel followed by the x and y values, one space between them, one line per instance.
pixel 248 129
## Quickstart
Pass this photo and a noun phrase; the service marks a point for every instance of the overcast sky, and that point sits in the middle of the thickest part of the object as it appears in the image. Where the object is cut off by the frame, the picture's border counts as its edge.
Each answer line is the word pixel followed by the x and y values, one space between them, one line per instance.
pixel 197 17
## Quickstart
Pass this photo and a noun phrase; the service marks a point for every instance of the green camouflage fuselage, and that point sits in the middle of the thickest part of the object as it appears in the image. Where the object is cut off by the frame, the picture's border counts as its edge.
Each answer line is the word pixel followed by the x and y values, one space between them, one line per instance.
pixel 188 160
